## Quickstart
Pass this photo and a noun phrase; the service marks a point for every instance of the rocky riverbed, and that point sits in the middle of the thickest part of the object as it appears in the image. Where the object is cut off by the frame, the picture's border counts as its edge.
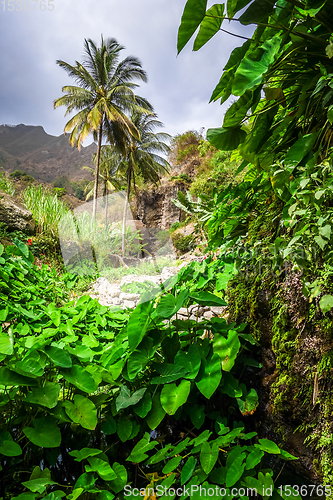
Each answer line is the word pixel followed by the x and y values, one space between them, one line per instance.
pixel 111 294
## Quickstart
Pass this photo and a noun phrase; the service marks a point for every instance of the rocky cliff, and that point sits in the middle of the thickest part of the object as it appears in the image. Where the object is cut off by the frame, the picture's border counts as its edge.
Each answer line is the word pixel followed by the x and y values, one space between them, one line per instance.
pixel 154 207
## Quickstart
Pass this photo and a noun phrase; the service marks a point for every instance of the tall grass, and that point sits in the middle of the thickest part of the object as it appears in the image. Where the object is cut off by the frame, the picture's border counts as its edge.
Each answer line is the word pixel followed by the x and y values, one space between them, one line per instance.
pixel 6 185
pixel 47 209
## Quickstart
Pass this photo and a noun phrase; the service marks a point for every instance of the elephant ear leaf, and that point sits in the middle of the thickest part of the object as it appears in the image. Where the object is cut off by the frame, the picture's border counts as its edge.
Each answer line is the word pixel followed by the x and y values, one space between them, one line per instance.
pixel 193 14
pixel 226 139
pixel 210 25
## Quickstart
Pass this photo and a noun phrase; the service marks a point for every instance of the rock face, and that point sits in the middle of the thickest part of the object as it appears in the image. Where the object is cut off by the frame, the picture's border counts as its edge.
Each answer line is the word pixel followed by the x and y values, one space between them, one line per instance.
pixel 16 216
pixel 155 208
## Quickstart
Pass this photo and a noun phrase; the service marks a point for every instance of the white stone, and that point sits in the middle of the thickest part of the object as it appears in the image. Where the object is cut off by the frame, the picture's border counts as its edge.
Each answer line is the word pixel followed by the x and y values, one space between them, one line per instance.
pixel 208 315
pixel 129 304
pixel 129 296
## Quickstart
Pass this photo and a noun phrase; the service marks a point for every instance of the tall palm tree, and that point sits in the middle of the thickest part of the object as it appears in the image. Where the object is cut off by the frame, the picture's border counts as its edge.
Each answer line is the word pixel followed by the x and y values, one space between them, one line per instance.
pixel 103 95
pixel 143 157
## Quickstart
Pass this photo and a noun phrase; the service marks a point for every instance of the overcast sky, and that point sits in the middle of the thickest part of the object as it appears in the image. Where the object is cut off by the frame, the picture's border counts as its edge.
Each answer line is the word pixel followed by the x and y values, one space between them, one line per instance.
pixel 179 87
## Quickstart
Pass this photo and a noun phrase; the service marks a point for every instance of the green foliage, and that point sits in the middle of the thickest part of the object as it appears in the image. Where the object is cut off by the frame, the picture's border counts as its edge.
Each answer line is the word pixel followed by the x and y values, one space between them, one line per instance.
pixel 220 171
pixel 6 185
pixel 185 145
pixel 82 385
pixel 183 243
pixel 287 58
pixel 181 177
pixel 46 208
pixel 22 176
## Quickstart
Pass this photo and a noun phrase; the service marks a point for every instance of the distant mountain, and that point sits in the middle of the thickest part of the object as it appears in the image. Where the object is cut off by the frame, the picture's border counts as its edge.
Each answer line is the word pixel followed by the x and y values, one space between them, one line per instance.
pixel 30 149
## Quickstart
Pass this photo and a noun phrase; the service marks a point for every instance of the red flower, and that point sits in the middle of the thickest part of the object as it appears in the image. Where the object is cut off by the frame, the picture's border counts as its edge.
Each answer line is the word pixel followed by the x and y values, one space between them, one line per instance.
pixel 29 241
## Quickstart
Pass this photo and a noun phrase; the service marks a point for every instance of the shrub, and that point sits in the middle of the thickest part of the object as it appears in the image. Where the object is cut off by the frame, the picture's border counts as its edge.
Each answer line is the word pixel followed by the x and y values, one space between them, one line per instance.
pixel 220 173
pixel 183 243
pixel 181 177
pixel 6 185
pixel 22 176
pixel 46 208
pixel 184 145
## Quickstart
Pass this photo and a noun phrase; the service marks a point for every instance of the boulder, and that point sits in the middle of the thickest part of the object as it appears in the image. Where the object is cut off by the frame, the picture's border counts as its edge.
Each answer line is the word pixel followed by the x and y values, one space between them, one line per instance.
pixel 16 216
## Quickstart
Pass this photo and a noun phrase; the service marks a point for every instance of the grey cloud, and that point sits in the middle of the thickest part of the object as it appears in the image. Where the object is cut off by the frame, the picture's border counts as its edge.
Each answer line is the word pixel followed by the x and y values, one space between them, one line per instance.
pixel 178 87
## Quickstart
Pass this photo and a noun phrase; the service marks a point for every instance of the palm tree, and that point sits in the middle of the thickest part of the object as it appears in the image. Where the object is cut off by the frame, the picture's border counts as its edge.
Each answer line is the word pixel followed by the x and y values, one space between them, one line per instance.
pixel 143 159
pixel 103 95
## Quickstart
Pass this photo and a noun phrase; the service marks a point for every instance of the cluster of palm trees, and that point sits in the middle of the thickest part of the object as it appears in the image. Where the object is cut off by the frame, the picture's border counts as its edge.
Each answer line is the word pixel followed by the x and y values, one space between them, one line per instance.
pixel 122 123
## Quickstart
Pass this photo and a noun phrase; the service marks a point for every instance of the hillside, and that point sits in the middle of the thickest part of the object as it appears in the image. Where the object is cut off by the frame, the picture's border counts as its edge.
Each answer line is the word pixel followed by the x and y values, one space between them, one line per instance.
pixel 30 149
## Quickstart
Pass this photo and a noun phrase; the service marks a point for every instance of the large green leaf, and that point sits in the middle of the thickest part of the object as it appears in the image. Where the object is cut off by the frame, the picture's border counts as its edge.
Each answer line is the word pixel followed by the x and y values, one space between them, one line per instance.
pixel 188 470
pixel 258 11
pixel 45 396
pixel 124 400
pixel 227 348
pixel 144 405
pixel 254 458
pixel 156 414
pixel 209 376
pixel 139 359
pixel 169 373
pixel 193 14
pixel 171 465
pixel 268 446
pixel 103 468
pixel 251 70
pixel 210 25
pixel 169 305
pixel 8 447
pixel 6 344
pixel 39 484
pixel 84 453
pixel 82 411
pixel 124 429
pixel 326 303
pixel 44 433
pixel 300 149
pixel 138 324
pixel 238 110
pixel 235 470
pixel 31 365
pixel 234 6
pixel 59 356
pixel 172 397
pixel 139 452
pixel 190 361
pixel 8 377
pixel 79 377
pixel 226 139
pixel 207 299
pixel 118 484
pixel 208 456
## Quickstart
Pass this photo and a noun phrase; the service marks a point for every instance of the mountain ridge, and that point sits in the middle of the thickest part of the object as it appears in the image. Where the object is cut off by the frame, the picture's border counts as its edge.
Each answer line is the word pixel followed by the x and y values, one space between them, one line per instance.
pixel 30 149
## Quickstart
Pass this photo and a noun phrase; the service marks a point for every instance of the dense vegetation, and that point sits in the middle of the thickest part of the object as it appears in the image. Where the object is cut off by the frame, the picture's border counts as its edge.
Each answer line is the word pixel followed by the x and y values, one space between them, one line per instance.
pixel 96 399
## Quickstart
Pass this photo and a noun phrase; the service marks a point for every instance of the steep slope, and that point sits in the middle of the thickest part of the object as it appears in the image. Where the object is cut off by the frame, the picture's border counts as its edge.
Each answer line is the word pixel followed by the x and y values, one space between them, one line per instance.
pixel 45 157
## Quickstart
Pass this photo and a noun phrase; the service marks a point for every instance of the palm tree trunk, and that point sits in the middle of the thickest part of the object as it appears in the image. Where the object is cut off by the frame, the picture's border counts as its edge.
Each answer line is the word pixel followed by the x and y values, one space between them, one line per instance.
pixel 125 210
pixel 106 209
pixel 97 167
